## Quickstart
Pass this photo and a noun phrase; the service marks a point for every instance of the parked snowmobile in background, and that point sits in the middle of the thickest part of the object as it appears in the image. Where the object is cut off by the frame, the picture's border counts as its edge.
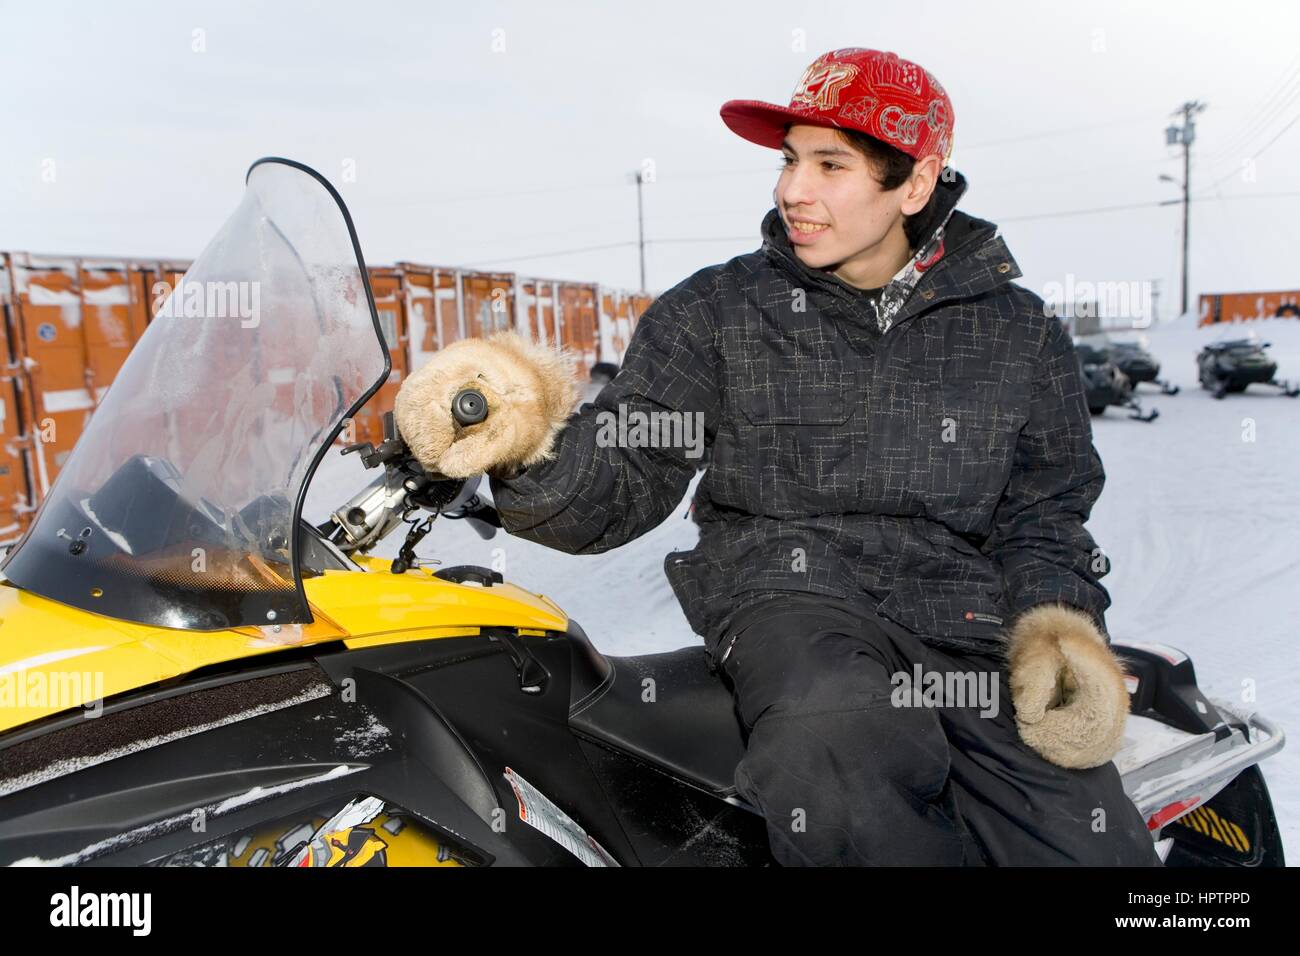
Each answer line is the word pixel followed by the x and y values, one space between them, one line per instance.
pixel 1103 383
pixel 1133 359
pixel 1228 366
pixel 602 373
pixel 260 692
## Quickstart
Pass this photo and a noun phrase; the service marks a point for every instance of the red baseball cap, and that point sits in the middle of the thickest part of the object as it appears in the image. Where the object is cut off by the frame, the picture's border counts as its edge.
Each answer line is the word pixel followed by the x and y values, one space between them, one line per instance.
pixel 876 93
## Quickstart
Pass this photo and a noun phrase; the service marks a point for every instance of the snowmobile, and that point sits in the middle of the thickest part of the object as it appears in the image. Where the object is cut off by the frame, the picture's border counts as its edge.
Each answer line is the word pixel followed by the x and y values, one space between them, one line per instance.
pixel 1133 359
pixel 196 675
pixel 1104 384
pixel 603 372
pixel 1228 366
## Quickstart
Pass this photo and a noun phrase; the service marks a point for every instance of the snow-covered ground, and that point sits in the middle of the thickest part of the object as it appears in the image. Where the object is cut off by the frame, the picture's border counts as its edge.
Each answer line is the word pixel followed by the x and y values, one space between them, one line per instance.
pixel 1199 518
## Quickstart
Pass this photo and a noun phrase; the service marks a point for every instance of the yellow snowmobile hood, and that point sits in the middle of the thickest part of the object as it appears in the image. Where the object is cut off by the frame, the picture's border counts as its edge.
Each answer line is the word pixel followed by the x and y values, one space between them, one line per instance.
pixel 54 657
pixel 188 481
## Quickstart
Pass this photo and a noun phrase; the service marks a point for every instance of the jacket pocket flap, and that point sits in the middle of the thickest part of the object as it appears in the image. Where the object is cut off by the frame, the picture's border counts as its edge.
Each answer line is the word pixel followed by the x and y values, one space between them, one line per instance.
pixel 984 405
pixel 797 395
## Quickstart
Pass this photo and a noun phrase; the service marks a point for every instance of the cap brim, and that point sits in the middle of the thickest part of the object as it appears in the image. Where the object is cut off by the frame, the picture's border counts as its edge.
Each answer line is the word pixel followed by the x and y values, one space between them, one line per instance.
pixel 764 123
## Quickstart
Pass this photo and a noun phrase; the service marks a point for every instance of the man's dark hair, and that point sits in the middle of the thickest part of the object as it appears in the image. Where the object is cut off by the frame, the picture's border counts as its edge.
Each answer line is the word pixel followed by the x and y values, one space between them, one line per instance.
pixel 891 166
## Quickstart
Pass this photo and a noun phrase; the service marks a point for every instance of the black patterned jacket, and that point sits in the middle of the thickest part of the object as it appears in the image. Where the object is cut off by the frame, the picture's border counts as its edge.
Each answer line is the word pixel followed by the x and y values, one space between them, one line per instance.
pixel 939 472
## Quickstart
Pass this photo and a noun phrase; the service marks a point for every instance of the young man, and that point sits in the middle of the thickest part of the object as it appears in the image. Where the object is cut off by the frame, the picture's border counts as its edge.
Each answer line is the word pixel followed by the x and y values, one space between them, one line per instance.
pixel 893 573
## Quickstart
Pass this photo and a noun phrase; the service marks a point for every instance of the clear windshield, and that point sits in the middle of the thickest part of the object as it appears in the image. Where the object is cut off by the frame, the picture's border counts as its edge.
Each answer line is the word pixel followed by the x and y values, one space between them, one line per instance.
pixel 1097 340
pixel 1237 342
pixel 1139 342
pixel 180 502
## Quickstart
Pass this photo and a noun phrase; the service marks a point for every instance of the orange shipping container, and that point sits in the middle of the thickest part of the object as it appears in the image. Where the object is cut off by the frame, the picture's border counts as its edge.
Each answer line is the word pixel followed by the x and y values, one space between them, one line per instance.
pixel 159 279
pixel 75 321
pixel 70 322
pixel 390 306
pixel 577 319
pixel 536 301
pixel 618 315
pixel 17 495
pixel 487 302
pixel 1247 306
pixel 433 310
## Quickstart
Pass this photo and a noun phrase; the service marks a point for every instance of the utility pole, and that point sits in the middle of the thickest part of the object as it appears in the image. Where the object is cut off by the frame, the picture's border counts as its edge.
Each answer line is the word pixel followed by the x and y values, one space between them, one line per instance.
pixel 640 227
pixel 1185 134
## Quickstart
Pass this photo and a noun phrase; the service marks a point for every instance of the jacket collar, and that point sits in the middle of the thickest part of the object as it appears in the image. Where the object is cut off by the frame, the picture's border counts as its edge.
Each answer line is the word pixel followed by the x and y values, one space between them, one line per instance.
pixel 962 255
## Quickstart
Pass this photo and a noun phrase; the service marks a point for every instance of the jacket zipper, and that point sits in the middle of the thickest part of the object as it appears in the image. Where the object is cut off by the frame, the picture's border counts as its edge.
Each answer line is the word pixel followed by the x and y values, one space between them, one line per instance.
pixel 727 653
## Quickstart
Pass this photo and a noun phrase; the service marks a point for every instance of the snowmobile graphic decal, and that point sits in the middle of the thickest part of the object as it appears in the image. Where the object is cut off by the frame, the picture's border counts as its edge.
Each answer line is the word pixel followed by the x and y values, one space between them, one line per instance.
pixel 364 832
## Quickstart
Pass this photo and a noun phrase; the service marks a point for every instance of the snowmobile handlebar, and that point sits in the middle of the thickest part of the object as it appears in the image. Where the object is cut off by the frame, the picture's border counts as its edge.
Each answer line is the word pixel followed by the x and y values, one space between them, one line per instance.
pixel 404 489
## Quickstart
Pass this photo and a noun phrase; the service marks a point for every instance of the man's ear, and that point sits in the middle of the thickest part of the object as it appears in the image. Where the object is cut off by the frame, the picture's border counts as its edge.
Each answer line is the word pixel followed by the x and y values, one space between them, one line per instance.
pixel 922 182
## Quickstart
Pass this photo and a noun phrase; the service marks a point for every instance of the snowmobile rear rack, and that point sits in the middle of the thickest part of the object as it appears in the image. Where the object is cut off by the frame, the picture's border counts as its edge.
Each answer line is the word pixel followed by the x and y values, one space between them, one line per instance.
pixel 1167 784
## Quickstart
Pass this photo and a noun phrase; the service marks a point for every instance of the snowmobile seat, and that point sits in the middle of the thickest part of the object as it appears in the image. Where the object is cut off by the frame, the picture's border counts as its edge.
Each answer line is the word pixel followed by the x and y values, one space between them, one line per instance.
pixel 665 709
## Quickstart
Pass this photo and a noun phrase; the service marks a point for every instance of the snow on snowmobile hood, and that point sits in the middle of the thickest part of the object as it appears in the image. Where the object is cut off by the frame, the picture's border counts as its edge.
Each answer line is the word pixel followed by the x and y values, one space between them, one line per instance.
pixel 179 504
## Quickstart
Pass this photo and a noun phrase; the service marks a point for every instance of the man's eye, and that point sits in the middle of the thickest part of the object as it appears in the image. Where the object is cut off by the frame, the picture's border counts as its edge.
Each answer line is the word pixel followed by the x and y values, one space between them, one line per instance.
pixel 786 162
pixel 830 165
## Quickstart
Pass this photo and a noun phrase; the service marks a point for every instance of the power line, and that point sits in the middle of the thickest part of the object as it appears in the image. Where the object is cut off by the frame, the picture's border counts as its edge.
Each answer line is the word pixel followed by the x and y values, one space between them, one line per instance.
pixel 547 255
pixel 1262 150
pixel 488 197
pixel 1064 131
pixel 1046 134
pixel 1069 213
pixel 1233 155
pixel 665 242
pixel 1059 214
pixel 673 178
pixel 1203 198
pixel 1247 130
pixel 1083 171
pixel 1259 128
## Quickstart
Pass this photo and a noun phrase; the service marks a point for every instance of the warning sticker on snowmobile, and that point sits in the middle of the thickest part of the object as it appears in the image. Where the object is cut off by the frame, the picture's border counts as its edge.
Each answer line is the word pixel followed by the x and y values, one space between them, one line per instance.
pixel 539 812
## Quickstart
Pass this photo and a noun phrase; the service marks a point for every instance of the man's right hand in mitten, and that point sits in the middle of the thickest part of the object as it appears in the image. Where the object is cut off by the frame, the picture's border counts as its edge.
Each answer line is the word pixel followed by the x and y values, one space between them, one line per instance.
pixel 1067 687
pixel 530 391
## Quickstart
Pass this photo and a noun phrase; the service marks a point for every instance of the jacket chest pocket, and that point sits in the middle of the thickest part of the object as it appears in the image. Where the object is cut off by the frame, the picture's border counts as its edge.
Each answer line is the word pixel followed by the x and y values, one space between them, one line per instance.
pixel 979 426
pixel 945 449
pixel 799 429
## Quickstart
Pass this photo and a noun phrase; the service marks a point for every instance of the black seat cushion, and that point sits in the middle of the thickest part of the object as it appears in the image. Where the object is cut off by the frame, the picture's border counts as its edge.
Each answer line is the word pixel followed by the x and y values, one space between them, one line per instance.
pixel 684 722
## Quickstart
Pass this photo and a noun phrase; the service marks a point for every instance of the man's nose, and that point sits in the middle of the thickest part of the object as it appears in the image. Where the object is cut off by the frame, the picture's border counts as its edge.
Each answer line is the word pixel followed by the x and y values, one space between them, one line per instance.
pixel 798 187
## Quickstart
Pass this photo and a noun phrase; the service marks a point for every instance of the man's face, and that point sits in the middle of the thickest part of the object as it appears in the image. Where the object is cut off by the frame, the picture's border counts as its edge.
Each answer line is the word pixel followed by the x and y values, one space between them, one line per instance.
pixel 826 182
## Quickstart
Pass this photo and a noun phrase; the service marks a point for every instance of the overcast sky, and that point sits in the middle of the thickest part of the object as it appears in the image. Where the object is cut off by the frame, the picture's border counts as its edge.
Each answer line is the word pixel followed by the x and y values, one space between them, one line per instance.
pixel 499 134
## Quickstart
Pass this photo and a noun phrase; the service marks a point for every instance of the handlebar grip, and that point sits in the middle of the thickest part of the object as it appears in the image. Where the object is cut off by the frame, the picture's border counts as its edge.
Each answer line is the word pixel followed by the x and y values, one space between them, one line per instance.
pixel 469 407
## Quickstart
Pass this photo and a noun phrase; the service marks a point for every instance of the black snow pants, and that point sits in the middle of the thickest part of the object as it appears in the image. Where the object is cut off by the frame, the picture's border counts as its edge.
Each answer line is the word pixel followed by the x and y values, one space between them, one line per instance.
pixel 866 746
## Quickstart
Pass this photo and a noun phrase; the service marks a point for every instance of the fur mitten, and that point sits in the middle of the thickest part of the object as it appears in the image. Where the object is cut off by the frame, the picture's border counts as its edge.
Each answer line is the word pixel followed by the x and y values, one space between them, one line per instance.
pixel 530 390
pixel 1067 687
